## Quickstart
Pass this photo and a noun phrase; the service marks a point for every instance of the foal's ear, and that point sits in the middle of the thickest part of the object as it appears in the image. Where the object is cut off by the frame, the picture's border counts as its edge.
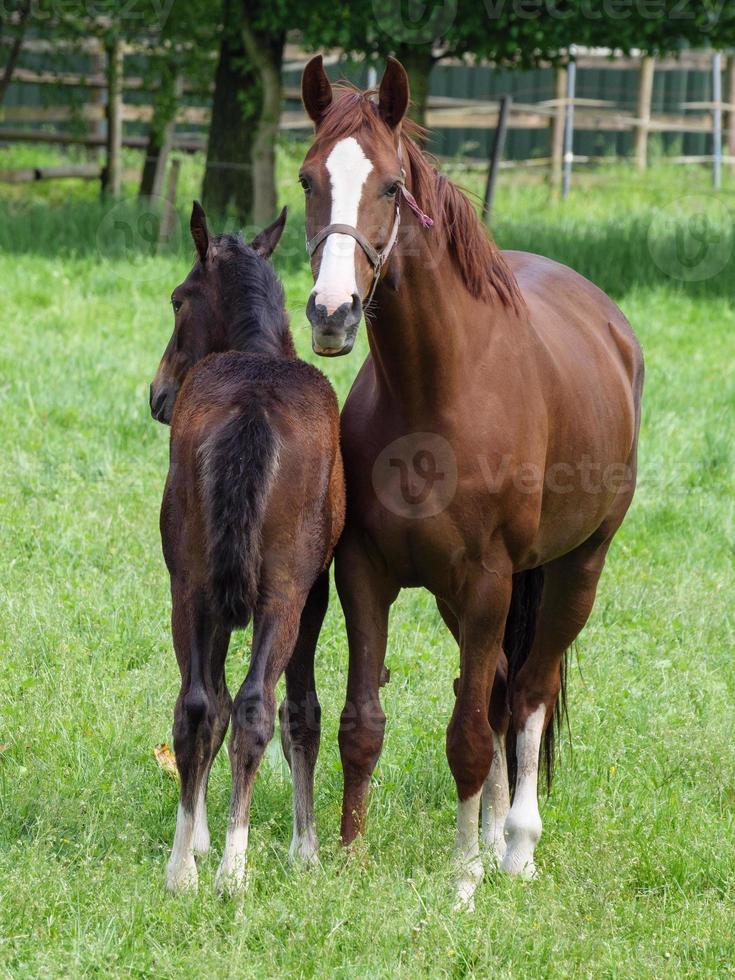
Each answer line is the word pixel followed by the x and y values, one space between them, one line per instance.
pixel 265 243
pixel 199 230
pixel 393 93
pixel 316 90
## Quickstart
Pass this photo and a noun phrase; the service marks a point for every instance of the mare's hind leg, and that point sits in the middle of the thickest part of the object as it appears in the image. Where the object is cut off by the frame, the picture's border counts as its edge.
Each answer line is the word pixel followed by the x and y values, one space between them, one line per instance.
pixel 470 749
pixel 200 721
pixel 568 594
pixel 253 723
pixel 495 791
pixel 300 717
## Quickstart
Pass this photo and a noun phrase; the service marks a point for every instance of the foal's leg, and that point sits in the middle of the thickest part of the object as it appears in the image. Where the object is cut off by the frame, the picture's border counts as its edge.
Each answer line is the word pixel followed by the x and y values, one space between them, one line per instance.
pixel 222 707
pixel 495 791
pixel 300 717
pixel 253 722
pixel 569 590
pixel 366 594
pixel 200 720
pixel 469 736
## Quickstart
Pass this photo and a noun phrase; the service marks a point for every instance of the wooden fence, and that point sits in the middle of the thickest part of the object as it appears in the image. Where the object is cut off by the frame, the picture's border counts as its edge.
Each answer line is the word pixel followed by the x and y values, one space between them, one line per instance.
pixel 106 119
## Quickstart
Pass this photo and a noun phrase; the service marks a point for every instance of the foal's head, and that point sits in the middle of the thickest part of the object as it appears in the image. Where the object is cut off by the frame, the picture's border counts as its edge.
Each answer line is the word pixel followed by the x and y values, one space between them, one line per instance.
pixel 231 300
pixel 352 176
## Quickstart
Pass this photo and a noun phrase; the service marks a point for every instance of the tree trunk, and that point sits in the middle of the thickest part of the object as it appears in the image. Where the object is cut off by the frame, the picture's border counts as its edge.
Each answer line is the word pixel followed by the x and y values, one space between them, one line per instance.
pixel 161 136
pixel 12 61
pixel 418 61
pixel 228 179
pixel 265 52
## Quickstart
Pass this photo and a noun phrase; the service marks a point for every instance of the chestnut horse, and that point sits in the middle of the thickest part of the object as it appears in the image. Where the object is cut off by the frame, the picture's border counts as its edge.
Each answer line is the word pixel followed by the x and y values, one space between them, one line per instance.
pixel 489 443
pixel 253 506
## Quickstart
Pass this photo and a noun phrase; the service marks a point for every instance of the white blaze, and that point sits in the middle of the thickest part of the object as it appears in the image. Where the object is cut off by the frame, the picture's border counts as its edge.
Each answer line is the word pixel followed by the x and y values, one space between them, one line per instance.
pixel 348 169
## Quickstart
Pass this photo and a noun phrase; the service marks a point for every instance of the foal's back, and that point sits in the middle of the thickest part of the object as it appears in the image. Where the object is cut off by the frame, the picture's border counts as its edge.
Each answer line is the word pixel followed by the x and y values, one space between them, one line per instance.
pixel 304 501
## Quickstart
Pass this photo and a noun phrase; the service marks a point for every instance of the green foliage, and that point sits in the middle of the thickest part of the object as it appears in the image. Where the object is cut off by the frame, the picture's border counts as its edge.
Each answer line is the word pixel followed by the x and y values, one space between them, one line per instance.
pixel 638 853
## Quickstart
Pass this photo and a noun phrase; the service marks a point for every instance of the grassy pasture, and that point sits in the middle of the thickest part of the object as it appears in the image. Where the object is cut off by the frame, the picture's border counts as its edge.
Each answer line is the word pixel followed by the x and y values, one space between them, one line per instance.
pixel 638 852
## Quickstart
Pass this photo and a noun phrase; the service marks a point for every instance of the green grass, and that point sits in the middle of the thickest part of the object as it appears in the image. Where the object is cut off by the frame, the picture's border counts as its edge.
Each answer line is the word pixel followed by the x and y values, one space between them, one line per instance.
pixel 638 852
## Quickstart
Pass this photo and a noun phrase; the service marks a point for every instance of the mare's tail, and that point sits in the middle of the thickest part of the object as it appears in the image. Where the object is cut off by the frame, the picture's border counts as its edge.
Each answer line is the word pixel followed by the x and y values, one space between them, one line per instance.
pixel 236 467
pixel 520 630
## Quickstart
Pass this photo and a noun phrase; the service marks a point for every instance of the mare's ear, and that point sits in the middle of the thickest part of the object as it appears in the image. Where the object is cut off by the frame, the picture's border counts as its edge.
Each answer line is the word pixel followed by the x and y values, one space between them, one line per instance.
pixel 265 243
pixel 199 230
pixel 393 93
pixel 316 90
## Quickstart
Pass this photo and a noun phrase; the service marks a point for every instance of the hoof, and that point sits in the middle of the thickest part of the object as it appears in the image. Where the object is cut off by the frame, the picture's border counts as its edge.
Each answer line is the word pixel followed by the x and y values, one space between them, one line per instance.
pixel 494 850
pixel 468 878
pixel 182 876
pixel 519 865
pixel 304 851
pixel 231 880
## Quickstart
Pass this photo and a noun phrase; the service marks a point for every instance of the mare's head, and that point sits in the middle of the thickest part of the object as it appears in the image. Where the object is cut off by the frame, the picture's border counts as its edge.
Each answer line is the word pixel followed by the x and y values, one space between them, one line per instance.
pixel 231 300
pixel 356 178
pixel 351 177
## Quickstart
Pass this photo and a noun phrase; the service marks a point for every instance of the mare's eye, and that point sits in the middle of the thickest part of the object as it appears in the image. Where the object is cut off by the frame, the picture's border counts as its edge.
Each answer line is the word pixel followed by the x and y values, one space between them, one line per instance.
pixel 176 305
pixel 392 190
pixel 304 181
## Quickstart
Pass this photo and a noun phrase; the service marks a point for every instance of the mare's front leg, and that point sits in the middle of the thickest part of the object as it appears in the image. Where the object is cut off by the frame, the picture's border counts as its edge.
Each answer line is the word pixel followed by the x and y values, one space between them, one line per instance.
pixel 201 717
pixel 366 593
pixel 300 717
pixel 482 611
pixel 253 722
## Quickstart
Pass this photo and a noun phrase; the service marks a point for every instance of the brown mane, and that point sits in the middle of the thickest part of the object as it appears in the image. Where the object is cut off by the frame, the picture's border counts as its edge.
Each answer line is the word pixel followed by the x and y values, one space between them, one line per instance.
pixel 480 262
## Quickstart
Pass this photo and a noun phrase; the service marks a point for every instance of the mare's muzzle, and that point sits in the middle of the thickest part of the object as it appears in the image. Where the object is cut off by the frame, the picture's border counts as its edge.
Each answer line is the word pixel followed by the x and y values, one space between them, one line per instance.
pixel 333 333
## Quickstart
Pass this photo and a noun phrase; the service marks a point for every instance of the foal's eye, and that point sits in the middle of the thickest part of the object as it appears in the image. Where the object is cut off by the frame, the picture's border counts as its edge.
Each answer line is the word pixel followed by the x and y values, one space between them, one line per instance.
pixel 176 303
pixel 304 181
pixel 392 190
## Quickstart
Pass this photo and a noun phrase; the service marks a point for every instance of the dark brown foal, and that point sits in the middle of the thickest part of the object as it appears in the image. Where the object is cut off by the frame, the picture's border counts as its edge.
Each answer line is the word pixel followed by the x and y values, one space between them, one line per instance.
pixel 490 453
pixel 252 509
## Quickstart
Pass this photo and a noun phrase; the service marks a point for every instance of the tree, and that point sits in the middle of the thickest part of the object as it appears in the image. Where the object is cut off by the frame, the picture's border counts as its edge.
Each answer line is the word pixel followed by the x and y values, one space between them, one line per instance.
pixel 228 175
pixel 264 37
pixel 24 9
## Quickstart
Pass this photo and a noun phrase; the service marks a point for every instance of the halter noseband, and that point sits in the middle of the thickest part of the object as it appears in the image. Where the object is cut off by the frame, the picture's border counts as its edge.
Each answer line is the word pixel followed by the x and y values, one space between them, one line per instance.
pixel 377 259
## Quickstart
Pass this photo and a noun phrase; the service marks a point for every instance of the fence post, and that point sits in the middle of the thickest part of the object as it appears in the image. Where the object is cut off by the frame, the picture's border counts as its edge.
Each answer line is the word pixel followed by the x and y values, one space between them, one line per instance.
pixel 169 215
pixel 716 120
pixel 496 155
pixel 730 124
pixel 569 122
pixel 643 110
pixel 112 172
pixel 556 135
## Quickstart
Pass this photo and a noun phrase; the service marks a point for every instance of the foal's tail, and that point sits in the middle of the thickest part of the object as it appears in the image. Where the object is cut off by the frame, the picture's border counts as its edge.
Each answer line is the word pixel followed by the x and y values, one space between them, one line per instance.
pixel 236 467
pixel 520 630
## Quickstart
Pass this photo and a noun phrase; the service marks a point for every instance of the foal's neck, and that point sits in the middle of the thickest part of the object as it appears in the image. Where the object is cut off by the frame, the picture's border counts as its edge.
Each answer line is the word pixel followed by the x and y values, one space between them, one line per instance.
pixel 262 327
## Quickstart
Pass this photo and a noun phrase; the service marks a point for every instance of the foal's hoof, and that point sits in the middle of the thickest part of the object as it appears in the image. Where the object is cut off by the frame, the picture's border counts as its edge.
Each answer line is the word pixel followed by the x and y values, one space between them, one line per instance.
pixel 304 851
pixel 231 879
pixel 182 876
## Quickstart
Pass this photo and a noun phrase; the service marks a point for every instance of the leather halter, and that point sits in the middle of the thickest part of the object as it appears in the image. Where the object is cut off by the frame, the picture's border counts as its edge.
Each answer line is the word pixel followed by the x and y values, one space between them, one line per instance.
pixel 377 259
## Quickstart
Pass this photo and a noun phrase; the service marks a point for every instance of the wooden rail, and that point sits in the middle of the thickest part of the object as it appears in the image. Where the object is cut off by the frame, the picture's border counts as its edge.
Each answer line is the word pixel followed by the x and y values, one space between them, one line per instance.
pixel 102 121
